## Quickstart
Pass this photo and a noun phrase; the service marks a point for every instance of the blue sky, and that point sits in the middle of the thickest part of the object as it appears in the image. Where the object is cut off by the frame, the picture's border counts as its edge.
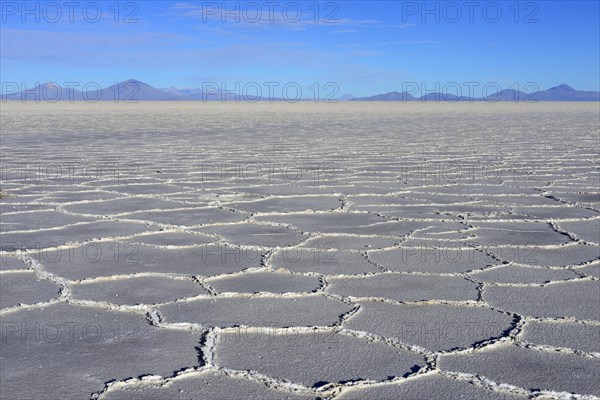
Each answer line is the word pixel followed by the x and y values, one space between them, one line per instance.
pixel 363 47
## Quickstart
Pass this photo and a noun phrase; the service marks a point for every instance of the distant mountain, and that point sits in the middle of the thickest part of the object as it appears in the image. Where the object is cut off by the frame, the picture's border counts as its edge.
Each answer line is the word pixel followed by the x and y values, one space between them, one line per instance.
pixel 180 91
pixel 508 95
pixel 405 96
pixel 346 97
pixel 390 96
pixel 199 94
pixel 565 92
pixel 129 90
pixel 133 90
pixel 443 97
pixel 559 93
pixel 48 91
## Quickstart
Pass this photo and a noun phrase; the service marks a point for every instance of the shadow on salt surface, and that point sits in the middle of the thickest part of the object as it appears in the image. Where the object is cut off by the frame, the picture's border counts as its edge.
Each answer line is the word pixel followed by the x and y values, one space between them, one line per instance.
pixel 522 275
pixel 588 230
pixel 428 387
pixel 12 263
pixel 405 287
pixel 188 217
pixel 136 290
pixel 202 385
pixel 435 327
pixel 560 334
pixel 516 233
pixel 252 234
pixel 326 262
pixel 48 238
pixel 24 288
pixel 38 220
pixel 288 204
pixel 121 206
pixel 441 260
pixel 90 345
pixel 556 256
pixel 529 369
pixel 262 311
pixel 270 282
pixel 313 359
pixel 572 299
pixel 171 238
pixel 349 242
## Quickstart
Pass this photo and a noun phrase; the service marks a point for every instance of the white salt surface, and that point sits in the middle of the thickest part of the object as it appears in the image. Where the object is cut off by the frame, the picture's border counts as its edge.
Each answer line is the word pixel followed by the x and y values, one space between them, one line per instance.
pixel 300 251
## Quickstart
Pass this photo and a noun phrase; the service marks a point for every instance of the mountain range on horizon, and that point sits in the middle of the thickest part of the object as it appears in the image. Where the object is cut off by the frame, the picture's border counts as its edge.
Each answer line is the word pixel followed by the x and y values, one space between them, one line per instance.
pixel 561 92
pixel 133 90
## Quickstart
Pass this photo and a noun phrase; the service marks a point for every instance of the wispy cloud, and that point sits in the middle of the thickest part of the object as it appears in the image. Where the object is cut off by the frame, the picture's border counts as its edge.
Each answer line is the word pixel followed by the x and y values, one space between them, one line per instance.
pixel 259 17
pixel 415 42
pixel 346 31
pixel 148 50
pixel 366 53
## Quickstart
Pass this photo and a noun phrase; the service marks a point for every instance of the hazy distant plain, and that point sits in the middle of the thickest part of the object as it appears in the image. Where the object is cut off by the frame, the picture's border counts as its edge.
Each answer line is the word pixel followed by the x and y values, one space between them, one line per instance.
pixel 386 241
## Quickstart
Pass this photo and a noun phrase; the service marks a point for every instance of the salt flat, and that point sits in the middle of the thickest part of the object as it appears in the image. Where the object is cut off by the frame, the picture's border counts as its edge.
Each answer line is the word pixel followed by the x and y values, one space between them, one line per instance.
pixel 294 251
